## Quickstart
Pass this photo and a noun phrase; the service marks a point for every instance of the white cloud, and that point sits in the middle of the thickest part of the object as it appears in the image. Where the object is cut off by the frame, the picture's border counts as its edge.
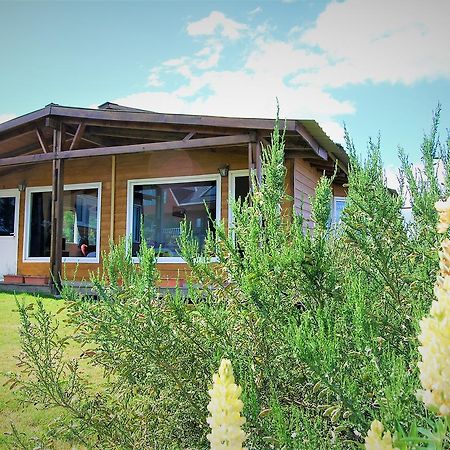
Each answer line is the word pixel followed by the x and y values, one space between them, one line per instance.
pixel 351 41
pixel 5 117
pixel 154 78
pixel 282 58
pixel 211 56
pixel 255 11
pixel 216 22
pixel 399 41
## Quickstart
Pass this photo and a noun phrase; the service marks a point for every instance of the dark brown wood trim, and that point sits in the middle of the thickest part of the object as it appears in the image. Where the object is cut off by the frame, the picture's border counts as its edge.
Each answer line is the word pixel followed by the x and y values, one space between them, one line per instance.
pixel 57 212
pixel 41 140
pixel 185 119
pixel 25 119
pixel 188 136
pixel 78 136
pixel 26 159
pixel 301 130
pixel 222 141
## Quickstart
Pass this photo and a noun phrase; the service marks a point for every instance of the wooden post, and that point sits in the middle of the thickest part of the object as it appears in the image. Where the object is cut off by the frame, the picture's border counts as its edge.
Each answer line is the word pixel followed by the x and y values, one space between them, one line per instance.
pixel 250 165
pixel 254 159
pixel 57 211
pixel 258 160
pixel 113 198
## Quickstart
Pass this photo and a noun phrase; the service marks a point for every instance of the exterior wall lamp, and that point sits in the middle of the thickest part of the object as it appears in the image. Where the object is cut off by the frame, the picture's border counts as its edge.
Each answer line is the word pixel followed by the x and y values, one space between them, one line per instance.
pixel 224 170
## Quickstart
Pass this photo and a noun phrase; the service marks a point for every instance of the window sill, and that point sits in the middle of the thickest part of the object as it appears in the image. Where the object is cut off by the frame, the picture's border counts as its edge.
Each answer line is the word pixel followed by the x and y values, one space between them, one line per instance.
pixel 68 260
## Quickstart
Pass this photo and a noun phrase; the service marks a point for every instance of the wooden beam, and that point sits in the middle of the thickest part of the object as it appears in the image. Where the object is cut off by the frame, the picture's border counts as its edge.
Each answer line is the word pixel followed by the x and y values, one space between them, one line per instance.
pixel 26 159
pixel 175 119
pixel 221 141
pixel 301 130
pixel 188 136
pixel 258 159
pixel 140 130
pixel 78 136
pixel 12 137
pixel 24 120
pixel 57 212
pixel 298 154
pixel 41 140
pixel 113 198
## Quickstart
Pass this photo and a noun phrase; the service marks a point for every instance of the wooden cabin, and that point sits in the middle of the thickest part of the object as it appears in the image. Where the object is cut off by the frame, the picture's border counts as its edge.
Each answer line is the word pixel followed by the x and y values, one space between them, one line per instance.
pixel 71 179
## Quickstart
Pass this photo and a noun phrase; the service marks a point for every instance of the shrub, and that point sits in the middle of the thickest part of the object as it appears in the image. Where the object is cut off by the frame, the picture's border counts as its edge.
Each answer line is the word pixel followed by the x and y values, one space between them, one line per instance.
pixel 320 325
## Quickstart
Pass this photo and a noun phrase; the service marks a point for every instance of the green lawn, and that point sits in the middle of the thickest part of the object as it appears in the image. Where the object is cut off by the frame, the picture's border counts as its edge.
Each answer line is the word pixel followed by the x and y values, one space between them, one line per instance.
pixel 26 418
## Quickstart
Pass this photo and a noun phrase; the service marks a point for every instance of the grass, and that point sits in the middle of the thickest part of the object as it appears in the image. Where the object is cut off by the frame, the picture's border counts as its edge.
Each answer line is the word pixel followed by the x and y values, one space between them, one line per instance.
pixel 26 418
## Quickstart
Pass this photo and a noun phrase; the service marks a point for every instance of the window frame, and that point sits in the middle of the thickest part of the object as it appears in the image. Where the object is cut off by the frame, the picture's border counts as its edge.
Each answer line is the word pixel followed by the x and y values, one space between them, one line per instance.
pixel 232 175
pixel 169 180
pixel 336 199
pixel 27 222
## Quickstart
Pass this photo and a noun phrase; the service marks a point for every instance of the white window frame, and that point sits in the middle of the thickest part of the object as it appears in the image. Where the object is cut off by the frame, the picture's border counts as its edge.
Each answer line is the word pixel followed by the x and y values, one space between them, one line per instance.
pixel 336 199
pixel 232 175
pixel 17 195
pixel 27 222
pixel 169 180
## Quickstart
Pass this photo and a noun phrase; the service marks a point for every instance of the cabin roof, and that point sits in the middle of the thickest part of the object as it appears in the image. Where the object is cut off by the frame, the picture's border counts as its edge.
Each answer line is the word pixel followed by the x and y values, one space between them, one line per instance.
pixel 115 126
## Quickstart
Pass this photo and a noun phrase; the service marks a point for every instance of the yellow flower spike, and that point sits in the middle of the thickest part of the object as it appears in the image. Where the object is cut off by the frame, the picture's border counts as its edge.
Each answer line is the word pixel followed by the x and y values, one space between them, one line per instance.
pixel 434 334
pixel 376 440
pixel 443 209
pixel 225 408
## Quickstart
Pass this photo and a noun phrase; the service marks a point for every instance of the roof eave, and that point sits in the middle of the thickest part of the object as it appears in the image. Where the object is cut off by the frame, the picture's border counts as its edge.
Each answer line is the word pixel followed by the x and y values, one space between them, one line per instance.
pixel 25 119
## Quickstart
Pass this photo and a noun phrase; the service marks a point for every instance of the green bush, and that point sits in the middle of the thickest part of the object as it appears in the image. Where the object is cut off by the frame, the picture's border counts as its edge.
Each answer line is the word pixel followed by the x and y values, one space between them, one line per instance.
pixel 320 325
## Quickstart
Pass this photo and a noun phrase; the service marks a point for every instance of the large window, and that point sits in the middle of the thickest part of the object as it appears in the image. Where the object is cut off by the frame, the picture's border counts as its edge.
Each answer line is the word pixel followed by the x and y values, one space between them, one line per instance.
pixel 81 223
pixel 161 205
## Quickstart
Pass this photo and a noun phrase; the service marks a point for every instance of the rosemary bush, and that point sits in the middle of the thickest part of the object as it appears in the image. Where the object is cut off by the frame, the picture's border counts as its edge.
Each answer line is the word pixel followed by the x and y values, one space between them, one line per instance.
pixel 320 325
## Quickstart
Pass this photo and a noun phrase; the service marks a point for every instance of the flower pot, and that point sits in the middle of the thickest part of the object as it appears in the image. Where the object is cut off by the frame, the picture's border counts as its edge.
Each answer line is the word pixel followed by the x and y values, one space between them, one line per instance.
pixel 13 279
pixel 172 282
pixel 36 280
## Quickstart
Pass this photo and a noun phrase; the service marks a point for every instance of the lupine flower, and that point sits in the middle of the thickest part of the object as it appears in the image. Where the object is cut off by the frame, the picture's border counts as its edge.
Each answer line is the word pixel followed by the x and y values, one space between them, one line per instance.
pixel 434 335
pixel 376 440
pixel 225 408
pixel 443 208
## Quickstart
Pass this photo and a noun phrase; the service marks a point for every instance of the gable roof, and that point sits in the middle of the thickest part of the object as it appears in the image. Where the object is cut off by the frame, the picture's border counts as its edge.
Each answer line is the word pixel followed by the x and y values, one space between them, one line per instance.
pixel 113 125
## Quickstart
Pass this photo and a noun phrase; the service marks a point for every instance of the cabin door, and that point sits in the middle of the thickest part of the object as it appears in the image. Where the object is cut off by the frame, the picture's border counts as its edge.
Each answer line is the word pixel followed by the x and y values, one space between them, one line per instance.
pixel 9 224
pixel 239 187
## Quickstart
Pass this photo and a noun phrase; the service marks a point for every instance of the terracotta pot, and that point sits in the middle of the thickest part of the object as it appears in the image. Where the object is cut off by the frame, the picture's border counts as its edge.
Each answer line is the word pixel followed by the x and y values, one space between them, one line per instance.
pixel 171 282
pixel 13 279
pixel 36 280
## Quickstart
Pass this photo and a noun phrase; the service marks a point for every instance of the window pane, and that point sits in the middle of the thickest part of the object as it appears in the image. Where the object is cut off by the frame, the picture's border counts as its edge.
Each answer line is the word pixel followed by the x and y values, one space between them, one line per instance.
pixel 241 187
pixel 339 205
pixel 79 223
pixel 7 214
pixel 40 226
pixel 161 208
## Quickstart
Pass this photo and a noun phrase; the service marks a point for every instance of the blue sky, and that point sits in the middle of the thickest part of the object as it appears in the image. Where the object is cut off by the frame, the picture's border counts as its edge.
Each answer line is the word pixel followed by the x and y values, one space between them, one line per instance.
pixel 377 65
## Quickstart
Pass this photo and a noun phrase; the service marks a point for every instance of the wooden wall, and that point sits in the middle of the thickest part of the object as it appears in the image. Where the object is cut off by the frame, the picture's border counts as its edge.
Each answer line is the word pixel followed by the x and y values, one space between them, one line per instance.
pixel 76 171
pixel 305 181
pixel 301 179
pixel 99 169
pixel 170 164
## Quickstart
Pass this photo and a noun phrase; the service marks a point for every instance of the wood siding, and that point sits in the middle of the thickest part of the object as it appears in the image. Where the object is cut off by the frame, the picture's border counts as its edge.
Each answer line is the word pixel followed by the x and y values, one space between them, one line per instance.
pixel 305 181
pixel 301 179
pixel 99 169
